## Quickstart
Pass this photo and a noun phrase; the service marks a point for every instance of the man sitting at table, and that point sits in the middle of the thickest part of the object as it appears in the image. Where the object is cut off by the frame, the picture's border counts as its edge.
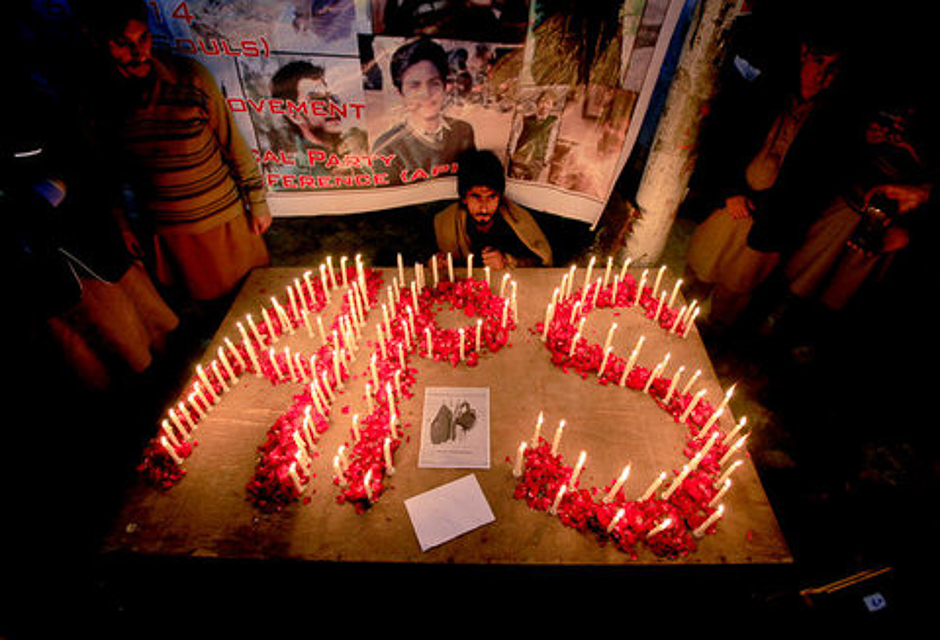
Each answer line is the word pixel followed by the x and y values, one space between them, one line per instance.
pixel 485 222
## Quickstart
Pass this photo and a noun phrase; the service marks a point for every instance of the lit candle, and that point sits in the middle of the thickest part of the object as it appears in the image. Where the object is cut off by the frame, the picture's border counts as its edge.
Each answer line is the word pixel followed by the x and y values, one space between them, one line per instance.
pixel 329 269
pixel 686 469
pixel 732 450
pixel 600 371
pixel 254 330
pixel 520 460
pixel 653 487
pixel 558 432
pixel 486 272
pixel 414 295
pixel 662 526
pixel 617 485
pixel 460 332
pixel 692 404
pixel 610 334
pixel 205 380
pixel 675 292
pixel 570 281
pixel 538 429
pixel 717 513
pixel 633 356
pixel 672 384
pixel 549 312
pixel 659 307
pixel 367 483
pixel 623 269
pixel 321 329
pixel 659 278
pixel 726 485
pixel 171 451
pixel 502 285
pixel 168 434
pixel 726 399
pixel 387 450
pixel 374 371
pixel 450 267
pixel 587 273
pixel 639 289
pixel 310 291
pixel 469 266
pixel 734 431
pixel 610 262
pixel 574 343
pixel 236 353
pixel 479 335
pixel 355 427
pixel 616 519
pixel 401 269
pixel 381 336
pixel 726 474
pixel 434 270
pixel 573 480
pixel 324 282
pixel 292 299
pixel 558 498
pixel 690 323
pixel 430 346
pixel 338 470
pixel 295 478
pixel 675 322
pixel 505 313
pixel 688 385
pixel 218 375
pixel 315 395
pixel 342 270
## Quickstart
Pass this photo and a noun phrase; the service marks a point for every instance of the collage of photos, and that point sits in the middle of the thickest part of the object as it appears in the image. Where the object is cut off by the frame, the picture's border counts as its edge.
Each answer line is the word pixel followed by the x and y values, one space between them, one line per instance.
pixel 385 94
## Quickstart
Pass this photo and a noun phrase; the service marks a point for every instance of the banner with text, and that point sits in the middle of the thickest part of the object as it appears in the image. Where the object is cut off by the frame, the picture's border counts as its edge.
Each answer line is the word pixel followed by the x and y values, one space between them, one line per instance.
pixel 377 98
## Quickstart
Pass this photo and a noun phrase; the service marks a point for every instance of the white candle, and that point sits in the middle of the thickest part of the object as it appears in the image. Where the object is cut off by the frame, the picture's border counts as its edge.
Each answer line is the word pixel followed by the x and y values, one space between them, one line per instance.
pixel 538 429
pixel 367 483
pixel 342 269
pixel 633 356
pixel 505 313
pixel 329 268
pixel 558 498
pixel 725 486
pixel 618 484
pixel 434 270
pixel 734 431
pixel 659 307
pixel 324 282
pixel 479 335
pixel 688 385
pixel 600 371
pixel 430 346
pixel 610 334
pixel 675 322
pixel 310 291
pixel 338 470
pixel 549 312
pixel 558 432
pixel 610 262
pixel 387 450
pixel 486 272
pixel 205 380
pixel 292 299
pixel 573 480
pixel 218 375
pixel 502 285
pixel 292 471
pixel 469 266
pixel 616 519
pixel 574 343
pixel 662 526
pixel 639 289
pixel 653 487
pixel 690 323
pixel 236 353
pixel 717 513
pixel 321 329
pixel 570 281
pixel 692 404
pixel 168 434
pixel 672 385
pixel 659 278
pixel 401 269
pixel 450 267
pixel 170 450
pixel 520 460
pixel 675 292
pixel 587 274
pixel 686 469
pixel 461 338
pixel 355 427
pixel 732 450
pixel 254 330
pixel 623 269
pixel 726 474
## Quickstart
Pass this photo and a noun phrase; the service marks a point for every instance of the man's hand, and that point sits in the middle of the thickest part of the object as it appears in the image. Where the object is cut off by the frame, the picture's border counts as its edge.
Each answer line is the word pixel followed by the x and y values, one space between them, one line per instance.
pixel 259 223
pixel 494 258
pixel 907 196
pixel 739 207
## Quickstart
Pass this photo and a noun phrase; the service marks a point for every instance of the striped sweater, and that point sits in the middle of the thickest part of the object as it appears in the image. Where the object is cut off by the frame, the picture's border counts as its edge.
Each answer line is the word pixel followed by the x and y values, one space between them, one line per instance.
pixel 197 171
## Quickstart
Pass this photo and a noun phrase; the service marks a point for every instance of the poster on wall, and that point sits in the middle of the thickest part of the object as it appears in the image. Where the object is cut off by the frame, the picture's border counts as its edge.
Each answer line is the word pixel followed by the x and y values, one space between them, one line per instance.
pixel 377 98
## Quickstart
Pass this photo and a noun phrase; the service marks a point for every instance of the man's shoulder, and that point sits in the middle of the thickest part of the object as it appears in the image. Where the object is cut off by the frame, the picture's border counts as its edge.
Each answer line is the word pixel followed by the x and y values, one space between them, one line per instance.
pixel 391 137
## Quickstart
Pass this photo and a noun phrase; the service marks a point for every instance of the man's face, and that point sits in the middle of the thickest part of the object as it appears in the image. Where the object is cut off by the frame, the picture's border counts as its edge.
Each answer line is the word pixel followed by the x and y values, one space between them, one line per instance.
pixel 817 71
pixel 311 90
pixel 481 203
pixel 131 50
pixel 423 90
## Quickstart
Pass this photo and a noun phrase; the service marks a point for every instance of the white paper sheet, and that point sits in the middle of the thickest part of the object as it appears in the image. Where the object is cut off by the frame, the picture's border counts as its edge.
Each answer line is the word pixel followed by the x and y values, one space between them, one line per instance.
pixel 448 511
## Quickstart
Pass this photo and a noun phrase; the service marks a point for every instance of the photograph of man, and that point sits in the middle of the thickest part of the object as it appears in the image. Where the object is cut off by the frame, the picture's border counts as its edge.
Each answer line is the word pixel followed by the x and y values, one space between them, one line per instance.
pixel 426 138
pixel 316 128
pixel 485 222
pixel 535 134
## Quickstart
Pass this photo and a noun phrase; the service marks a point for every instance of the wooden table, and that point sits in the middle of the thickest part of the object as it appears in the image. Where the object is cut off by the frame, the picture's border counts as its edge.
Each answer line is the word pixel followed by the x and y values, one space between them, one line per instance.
pixel 208 515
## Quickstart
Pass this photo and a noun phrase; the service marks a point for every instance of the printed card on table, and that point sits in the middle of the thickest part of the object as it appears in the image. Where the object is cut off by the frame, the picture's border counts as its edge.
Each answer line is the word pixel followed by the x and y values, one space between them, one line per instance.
pixel 455 429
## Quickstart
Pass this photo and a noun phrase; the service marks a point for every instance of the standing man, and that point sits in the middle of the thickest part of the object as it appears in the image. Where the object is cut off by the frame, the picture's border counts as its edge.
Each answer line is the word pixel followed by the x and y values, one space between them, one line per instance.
pixel 427 138
pixel 765 169
pixel 198 188
pixel 485 222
